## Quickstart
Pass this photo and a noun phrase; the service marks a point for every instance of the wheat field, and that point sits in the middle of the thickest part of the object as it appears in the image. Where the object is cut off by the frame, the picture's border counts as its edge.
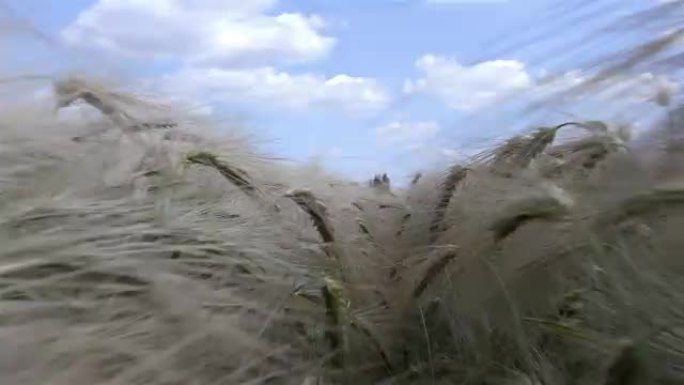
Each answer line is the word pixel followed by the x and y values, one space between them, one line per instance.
pixel 154 250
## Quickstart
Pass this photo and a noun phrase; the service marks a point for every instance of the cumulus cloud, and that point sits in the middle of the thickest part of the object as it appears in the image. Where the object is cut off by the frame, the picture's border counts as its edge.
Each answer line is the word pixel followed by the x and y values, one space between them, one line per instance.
pixel 468 88
pixel 268 87
pixel 210 32
pixel 410 133
pixel 228 50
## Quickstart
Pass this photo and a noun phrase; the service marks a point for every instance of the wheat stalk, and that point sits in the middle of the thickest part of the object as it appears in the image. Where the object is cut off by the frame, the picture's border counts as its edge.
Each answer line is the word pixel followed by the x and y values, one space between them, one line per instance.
pixel 438 261
pixel 517 152
pixel 520 213
pixel 361 326
pixel 334 311
pixel 70 90
pixel 454 178
pixel 640 204
pixel 236 176
pixel 362 224
pixel 316 210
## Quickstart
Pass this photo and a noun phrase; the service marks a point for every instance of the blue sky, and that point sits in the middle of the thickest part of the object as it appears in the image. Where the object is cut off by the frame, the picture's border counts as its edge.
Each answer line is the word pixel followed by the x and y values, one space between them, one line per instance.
pixel 363 86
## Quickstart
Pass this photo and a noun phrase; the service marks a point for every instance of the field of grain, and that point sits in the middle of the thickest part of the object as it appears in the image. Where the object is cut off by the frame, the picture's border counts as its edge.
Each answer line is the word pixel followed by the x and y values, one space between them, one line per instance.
pixel 148 249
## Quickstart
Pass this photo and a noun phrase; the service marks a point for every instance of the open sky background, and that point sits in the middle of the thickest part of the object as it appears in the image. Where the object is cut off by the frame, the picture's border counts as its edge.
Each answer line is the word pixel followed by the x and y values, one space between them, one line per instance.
pixel 366 86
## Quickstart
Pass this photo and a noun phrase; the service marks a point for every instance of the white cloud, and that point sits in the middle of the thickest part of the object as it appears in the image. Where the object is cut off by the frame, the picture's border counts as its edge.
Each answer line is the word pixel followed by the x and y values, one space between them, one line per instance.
pixel 450 153
pixel 411 133
pixel 267 86
pixel 212 32
pixel 228 50
pixel 468 87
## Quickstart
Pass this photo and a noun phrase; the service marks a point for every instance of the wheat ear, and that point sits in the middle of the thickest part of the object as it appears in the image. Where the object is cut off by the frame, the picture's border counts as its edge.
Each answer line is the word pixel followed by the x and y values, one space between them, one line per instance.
pixel 456 175
pixel 438 261
pixel 641 204
pixel 523 212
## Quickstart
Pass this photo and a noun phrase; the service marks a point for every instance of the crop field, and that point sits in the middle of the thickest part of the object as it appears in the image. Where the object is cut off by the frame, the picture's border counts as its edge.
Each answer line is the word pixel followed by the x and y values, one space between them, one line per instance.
pixel 153 248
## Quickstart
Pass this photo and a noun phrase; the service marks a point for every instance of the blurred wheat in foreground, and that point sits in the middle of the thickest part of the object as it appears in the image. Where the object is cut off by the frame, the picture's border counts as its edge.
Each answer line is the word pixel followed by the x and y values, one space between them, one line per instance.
pixel 144 253
pixel 145 249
